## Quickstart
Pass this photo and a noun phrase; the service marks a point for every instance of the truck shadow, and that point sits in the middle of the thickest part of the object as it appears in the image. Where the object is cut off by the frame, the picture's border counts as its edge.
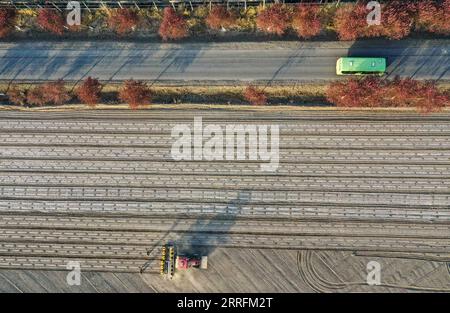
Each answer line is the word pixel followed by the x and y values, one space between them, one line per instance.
pixel 407 58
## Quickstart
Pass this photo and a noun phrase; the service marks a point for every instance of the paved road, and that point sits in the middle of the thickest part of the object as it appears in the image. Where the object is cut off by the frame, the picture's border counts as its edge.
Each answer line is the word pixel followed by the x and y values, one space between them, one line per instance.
pixel 73 186
pixel 220 62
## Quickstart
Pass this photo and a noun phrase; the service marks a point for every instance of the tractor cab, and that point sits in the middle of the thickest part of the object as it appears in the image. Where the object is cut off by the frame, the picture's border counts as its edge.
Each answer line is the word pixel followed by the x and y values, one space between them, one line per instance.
pixel 171 261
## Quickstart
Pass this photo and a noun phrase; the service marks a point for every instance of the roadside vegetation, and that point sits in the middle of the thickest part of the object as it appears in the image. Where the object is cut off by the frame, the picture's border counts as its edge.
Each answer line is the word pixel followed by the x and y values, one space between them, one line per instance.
pixel 305 21
pixel 368 92
pixel 255 95
pixel 173 25
pixel 7 21
pixel 123 21
pixel 89 91
pixel 51 21
pixel 371 92
pixel 135 93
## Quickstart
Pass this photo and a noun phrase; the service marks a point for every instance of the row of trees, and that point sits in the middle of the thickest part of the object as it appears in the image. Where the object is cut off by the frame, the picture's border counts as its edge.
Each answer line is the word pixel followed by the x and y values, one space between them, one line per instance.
pixel 374 92
pixel 278 18
pixel 135 93
pixel 368 92
pixel 349 21
pixel 122 21
pixel 398 19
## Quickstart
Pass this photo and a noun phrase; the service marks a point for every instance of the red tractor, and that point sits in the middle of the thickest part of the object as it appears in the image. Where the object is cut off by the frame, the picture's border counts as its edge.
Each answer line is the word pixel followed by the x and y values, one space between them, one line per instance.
pixel 171 261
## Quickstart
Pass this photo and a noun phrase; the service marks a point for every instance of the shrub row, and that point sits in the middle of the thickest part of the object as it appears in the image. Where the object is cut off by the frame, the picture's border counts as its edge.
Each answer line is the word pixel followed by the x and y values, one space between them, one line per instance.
pixel 135 93
pixel 398 19
pixel 368 92
pixel 374 92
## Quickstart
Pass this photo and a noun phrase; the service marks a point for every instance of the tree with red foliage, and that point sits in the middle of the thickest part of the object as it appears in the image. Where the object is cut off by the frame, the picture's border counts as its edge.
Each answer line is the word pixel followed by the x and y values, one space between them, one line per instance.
pixel 397 19
pixel 431 98
pixel 427 10
pixel 255 95
pixel 173 25
pixel 349 21
pixel 16 95
pixel 274 19
pixel 50 21
pixel 433 16
pixel 372 92
pixel 355 92
pixel 445 6
pixel 49 93
pixel 89 91
pixel 135 93
pixel 7 21
pixel 55 92
pixel 123 21
pixel 306 20
pixel 219 17
pixel 35 96
pixel 423 95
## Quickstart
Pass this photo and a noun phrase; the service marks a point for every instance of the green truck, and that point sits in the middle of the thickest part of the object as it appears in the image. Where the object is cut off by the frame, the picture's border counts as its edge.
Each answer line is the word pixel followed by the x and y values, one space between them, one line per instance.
pixel 360 66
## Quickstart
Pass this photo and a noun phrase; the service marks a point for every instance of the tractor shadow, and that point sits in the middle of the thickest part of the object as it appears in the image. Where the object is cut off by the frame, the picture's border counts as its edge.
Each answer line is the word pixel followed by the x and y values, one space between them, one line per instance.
pixel 206 234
